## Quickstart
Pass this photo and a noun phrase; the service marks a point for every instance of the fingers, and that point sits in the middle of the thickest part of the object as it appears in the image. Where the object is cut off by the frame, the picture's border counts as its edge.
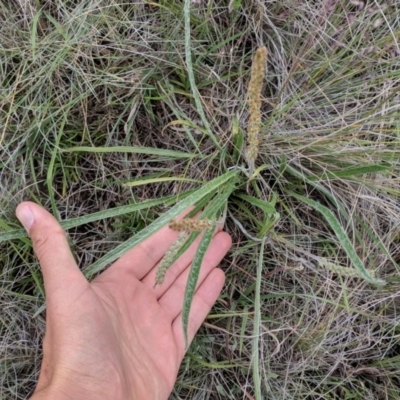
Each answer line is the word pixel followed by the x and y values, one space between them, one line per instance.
pixel 173 298
pixel 205 297
pixel 51 247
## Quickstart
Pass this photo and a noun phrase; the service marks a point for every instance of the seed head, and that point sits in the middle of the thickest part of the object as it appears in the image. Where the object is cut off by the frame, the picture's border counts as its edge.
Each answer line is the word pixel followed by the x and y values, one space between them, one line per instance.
pixel 169 258
pixel 254 103
pixel 339 269
pixel 190 225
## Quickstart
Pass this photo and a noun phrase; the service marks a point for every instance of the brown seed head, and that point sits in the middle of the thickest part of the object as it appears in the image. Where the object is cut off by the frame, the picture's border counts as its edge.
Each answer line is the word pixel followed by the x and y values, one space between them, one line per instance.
pixel 254 102
pixel 190 225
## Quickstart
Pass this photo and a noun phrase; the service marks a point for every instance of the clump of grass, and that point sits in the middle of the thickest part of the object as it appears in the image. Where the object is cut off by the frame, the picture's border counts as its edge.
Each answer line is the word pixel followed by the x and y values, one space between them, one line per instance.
pixel 157 92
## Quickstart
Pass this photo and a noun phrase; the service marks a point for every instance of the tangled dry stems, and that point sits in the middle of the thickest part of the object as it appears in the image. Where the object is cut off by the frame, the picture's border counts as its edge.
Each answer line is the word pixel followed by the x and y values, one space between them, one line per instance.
pixel 112 74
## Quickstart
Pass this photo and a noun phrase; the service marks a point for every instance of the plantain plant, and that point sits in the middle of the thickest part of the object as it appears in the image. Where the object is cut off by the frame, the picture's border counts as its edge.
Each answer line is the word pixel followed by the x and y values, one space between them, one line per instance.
pixel 211 201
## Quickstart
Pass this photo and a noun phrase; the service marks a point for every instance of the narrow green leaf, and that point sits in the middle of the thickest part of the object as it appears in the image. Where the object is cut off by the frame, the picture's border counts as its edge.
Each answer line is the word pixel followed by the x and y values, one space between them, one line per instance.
pixel 122 210
pixel 238 140
pixel 320 188
pixel 160 222
pixel 131 149
pixel 51 167
pixel 187 123
pixel 236 4
pixel 13 234
pixel 19 295
pixel 342 237
pixel 193 278
pixel 141 182
pixel 375 239
pixel 262 204
pixel 258 170
pixel 190 72
pixel 247 213
pixel 256 325
pixel 34 31
pixel 243 328
pixel 214 49
pixel 353 171
pixel 110 213
pixel 269 224
pixel 179 115
pixel 60 29
pixel 201 205
pixel 214 365
pixel 212 210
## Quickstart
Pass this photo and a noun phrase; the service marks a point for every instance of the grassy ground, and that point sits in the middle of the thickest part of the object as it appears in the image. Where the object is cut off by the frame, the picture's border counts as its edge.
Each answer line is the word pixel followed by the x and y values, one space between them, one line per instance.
pixel 106 73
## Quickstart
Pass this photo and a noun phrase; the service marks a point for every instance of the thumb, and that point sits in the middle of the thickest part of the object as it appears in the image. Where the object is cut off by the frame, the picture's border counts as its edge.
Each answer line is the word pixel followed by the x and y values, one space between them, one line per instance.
pixel 51 247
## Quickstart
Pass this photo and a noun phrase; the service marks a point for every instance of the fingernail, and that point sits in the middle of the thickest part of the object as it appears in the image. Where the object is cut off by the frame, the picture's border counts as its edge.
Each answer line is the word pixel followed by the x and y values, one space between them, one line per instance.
pixel 25 216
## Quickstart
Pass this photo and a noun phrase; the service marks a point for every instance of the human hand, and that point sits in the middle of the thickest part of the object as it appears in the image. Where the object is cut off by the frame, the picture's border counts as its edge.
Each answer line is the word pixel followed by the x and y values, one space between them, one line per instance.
pixel 116 337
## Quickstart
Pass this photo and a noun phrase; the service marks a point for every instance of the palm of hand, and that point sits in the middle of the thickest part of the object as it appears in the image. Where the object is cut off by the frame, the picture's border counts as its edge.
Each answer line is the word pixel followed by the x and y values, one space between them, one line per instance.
pixel 118 337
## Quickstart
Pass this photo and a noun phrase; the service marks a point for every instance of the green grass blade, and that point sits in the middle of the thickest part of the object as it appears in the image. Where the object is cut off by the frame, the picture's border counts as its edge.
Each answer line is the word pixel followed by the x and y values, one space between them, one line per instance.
pixel 60 29
pixel 51 169
pixel 141 182
pixel 131 149
pixel 256 326
pixel 238 140
pixel 267 207
pixel 117 211
pixel 110 213
pixel 189 64
pixel 218 46
pixel 34 29
pixel 160 222
pixel 193 278
pixel 243 327
pixel 342 237
pixel 13 234
pixel 180 116
pixel 212 210
pixel 350 172
pixel 320 188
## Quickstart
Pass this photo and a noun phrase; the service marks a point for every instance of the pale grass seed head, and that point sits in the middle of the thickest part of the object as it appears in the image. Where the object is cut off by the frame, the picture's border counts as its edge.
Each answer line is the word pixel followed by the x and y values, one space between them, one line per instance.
pixel 169 258
pixel 190 225
pixel 339 269
pixel 254 102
